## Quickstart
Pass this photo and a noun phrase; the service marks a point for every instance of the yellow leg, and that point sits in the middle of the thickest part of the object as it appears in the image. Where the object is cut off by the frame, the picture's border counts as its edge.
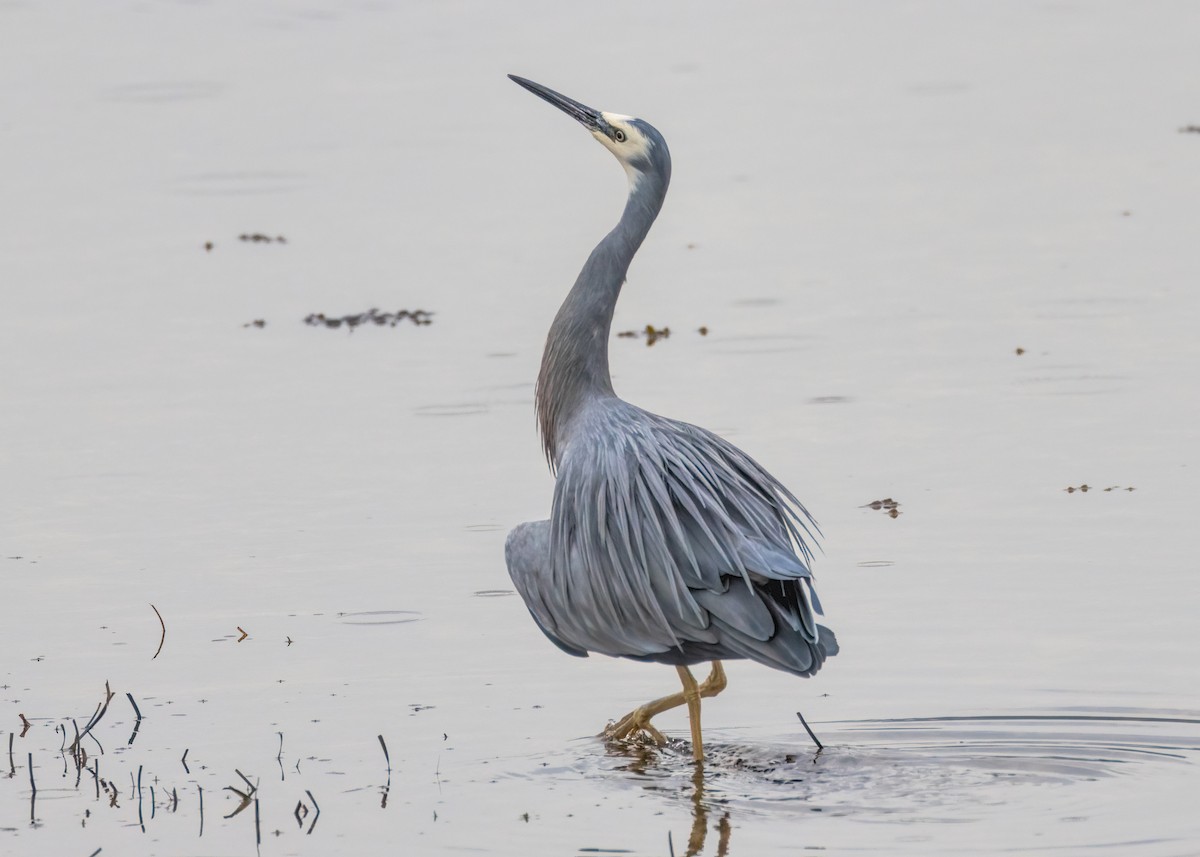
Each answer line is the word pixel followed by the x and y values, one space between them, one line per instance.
pixel 691 693
pixel 638 720
pixel 716 681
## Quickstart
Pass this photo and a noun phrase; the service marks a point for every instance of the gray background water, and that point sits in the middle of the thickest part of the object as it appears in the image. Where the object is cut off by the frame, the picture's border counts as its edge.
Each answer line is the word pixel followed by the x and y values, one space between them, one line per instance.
pixel 874 206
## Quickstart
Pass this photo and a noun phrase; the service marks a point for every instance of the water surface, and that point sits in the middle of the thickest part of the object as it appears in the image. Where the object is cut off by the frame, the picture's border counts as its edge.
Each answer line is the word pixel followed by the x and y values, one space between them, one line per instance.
pixel 945 256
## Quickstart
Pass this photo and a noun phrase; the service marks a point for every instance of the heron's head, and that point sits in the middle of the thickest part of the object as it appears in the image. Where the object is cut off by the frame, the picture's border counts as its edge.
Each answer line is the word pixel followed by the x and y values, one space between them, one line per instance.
pixel 635 143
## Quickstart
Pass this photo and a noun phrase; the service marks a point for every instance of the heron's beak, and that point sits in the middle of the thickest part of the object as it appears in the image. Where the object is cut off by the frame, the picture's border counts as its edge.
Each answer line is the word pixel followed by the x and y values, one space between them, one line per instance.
pixel 588 117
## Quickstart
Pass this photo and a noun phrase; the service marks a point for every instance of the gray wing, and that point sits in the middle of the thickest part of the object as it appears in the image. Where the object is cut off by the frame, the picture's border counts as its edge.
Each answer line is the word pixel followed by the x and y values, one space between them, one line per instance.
pixel 527 554
pixel 669 543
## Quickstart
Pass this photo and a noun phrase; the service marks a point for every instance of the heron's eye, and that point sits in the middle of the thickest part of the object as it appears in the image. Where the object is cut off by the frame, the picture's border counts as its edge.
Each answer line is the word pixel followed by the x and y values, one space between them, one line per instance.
pixel 619 136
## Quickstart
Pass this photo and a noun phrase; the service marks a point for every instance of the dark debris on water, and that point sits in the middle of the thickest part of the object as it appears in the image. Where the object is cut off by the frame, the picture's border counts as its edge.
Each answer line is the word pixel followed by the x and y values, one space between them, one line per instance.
pixel 418 317
pixel 652 334
pixel 887 504
pixel 260 238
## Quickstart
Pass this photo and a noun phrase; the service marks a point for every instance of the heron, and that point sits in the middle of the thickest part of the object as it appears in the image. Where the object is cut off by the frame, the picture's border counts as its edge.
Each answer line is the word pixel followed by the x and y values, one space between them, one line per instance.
pixel 665 542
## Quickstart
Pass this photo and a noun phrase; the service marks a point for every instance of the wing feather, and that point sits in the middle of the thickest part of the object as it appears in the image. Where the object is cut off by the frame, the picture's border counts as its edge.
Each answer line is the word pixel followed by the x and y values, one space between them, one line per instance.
pixel 664 537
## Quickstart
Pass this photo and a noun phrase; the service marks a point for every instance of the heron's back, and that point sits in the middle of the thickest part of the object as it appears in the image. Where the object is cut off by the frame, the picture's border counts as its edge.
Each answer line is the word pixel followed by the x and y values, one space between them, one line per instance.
pixel 667 543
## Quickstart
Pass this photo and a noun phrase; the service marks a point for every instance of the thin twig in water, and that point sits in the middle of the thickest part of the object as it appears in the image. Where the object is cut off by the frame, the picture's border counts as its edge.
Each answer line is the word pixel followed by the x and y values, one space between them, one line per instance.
pixel 137 724
pixel 164 630
pixel 245 800
pixel 97 715
pixel 317 808
pixel 816 741
pixel 387 788
pixel 253 788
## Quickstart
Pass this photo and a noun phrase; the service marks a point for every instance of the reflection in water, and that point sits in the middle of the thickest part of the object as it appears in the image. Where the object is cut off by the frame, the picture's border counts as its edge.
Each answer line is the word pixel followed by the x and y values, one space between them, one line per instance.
pixel 700 814
pixel 644 760
pixel 935 770
pixel 1064 766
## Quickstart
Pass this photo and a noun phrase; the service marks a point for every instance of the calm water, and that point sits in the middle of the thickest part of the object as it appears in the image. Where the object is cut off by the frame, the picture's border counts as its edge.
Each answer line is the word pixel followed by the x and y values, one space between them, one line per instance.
pixel 873 209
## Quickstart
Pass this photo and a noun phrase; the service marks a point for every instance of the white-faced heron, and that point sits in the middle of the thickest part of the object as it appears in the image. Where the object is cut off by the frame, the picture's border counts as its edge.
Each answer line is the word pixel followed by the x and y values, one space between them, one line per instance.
pixel 665 543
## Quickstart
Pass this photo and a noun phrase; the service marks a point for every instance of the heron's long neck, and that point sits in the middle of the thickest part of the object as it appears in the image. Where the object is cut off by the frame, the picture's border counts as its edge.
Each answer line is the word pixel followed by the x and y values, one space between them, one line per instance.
pixel 575 362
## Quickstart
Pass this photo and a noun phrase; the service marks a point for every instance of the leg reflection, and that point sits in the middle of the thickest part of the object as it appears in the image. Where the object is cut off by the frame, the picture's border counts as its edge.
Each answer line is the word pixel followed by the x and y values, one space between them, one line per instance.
pixel 700 814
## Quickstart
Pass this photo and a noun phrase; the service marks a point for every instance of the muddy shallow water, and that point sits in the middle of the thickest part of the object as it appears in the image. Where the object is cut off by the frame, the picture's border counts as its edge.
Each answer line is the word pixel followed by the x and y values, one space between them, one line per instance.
pixel 945 256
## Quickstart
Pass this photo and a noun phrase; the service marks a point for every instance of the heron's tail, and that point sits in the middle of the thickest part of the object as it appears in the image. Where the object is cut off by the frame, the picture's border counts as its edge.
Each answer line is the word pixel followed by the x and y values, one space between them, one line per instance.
pixel 787 649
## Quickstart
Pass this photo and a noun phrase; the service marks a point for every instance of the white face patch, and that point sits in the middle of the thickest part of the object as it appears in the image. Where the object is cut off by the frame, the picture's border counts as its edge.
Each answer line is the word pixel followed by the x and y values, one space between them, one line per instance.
pixel 635 146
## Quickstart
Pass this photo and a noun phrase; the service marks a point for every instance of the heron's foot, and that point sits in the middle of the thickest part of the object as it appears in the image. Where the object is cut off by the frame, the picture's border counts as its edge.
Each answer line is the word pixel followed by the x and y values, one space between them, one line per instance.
pixel 636 725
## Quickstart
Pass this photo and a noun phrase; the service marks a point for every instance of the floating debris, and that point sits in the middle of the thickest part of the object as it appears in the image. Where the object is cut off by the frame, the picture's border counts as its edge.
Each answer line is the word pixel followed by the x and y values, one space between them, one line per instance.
pixel 652 334
pixel 1190 129
pixel 372 316
pixel 258 322
pixel 259 238
pixel 892 507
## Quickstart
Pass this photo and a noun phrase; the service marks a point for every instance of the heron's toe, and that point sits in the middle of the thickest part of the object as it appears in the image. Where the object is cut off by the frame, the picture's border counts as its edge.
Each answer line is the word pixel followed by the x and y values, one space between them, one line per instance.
pixel 634 727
